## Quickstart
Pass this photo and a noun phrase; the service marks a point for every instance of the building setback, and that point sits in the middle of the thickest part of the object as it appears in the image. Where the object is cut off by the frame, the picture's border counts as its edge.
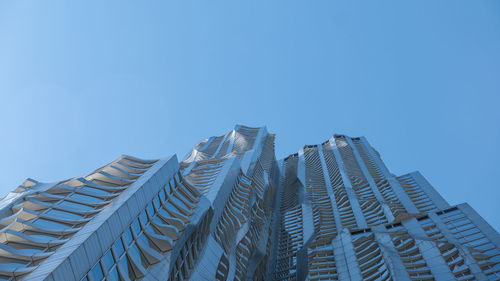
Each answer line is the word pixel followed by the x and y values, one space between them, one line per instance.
pixel 231 211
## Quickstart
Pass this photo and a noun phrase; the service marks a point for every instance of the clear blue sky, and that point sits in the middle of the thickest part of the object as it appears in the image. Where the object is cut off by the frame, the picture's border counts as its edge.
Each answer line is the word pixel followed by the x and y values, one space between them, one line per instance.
pixel 82 82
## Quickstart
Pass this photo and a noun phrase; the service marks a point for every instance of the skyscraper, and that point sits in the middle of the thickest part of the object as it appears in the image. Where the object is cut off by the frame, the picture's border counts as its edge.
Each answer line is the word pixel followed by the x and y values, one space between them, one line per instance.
pixel 344 216
pixel 231 211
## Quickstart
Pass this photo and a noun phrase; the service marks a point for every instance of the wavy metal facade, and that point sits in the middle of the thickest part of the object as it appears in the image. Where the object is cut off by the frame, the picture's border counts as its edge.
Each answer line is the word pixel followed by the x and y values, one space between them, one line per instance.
pixel 344 216
pixel 231 211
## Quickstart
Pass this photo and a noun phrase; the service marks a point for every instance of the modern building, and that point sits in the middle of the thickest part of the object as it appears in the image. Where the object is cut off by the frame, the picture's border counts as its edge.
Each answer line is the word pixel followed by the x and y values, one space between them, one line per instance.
pixel 344 216
pixel 231 211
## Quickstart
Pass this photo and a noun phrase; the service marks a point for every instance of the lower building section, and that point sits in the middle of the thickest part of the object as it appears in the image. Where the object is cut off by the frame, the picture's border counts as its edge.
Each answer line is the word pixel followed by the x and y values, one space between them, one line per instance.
pixel 231 211
pixel 344 216
pixel 426 247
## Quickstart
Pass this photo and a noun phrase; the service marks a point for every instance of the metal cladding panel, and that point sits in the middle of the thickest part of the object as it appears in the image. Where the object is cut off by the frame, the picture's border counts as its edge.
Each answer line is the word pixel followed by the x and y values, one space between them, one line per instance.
pixel 231 211
pixel 372 225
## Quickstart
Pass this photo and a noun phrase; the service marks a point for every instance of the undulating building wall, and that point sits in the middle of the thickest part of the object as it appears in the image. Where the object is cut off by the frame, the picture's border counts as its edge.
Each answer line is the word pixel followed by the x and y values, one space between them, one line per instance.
pixel 231 211
pixel 368 224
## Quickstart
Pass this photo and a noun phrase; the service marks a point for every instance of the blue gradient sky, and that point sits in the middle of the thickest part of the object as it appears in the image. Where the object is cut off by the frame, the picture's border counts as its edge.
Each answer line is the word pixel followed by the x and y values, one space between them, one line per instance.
pixel 82 82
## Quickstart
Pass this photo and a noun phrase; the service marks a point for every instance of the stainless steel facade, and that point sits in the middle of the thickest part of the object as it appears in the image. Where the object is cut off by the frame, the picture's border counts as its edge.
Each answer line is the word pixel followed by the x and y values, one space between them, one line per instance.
pixel 231 211
pixel 344 216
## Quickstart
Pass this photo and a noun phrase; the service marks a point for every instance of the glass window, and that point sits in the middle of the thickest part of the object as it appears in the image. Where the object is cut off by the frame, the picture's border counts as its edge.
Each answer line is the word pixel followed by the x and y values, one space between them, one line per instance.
pixel 97 272
pixel 50 224
pixel 146 241
pixel 179 202
pixel 162 195
pixel 156 201
pixel 134 251
pixel 168 189
pixel 127 237
pixel 74 206
pixel 477 242
pixel 118 247
pixel 108 261
pixel 462 228
pixel 42 236
pixel 85 199
pixel 484 246
pixel 93 191
pixel 151 210
pixel 136 227
pixel 157 220
pixel 113 275
pixel 127 267
pixel 495 260
pixel 172 209
pixel 152 229
pixel 144 219
pixel 476 235
pixel 63 215
pixel 164 213
pixel 85 279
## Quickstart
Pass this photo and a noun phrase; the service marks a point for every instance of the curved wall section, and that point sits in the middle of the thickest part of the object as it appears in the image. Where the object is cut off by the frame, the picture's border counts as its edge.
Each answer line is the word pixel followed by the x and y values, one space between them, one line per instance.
pixel 231 211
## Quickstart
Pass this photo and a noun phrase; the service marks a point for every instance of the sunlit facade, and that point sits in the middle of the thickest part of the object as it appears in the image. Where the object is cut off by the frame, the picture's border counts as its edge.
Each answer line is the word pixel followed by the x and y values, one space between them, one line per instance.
pixel 344 216
pixel 231 211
